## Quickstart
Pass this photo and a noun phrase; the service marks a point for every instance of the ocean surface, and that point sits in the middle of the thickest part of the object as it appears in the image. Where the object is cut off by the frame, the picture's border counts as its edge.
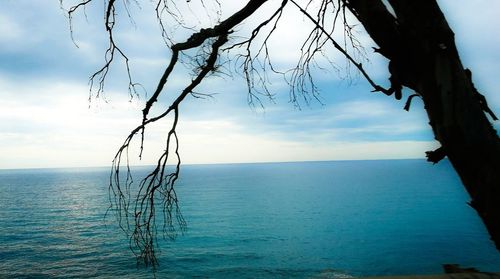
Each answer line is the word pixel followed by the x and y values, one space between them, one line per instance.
pixel 274 220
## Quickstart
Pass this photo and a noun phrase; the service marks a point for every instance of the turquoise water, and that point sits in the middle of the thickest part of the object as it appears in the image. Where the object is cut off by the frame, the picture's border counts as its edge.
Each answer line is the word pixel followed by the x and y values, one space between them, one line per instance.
pixel 302 220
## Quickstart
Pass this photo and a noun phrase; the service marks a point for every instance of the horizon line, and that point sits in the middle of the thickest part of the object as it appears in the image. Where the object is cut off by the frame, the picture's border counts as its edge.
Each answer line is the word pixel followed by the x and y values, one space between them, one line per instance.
pixel 208 164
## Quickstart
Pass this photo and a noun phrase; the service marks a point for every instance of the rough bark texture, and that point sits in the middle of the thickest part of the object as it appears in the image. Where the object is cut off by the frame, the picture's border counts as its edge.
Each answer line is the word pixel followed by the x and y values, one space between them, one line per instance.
pixel 420 46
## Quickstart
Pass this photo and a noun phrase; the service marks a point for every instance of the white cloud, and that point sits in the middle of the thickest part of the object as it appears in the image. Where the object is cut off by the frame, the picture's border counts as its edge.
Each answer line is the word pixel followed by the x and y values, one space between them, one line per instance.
pixel 235 146
pixel 46 124
pixel 50 124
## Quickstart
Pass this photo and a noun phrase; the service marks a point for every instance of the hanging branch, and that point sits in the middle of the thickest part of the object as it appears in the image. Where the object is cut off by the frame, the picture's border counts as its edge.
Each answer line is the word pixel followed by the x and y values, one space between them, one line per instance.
pixel 254 70
pixel 157 186
pixel 111 52
pixel 316 37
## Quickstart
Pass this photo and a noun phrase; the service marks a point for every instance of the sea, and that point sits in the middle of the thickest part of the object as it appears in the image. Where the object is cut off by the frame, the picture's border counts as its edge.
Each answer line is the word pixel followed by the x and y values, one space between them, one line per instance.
pixel 335 219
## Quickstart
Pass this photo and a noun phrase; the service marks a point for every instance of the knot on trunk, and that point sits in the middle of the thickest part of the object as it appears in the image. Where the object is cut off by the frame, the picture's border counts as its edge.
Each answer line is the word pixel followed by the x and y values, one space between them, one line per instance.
pixel 436 155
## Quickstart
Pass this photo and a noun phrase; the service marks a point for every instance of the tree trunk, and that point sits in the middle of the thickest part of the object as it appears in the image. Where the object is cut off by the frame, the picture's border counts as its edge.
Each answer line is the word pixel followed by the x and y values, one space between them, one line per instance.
pixel 420 46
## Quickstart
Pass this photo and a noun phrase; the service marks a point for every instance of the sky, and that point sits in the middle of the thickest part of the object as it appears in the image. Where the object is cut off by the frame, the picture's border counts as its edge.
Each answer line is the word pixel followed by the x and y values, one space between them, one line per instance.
pixel 46 119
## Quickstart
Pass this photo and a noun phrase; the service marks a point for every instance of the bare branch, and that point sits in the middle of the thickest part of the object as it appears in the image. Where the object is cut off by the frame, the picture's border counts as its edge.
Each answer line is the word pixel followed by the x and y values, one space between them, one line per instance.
pixel 195 40
pixel 256 75
pixel 309 57
pixel 98 79
pixel 158 186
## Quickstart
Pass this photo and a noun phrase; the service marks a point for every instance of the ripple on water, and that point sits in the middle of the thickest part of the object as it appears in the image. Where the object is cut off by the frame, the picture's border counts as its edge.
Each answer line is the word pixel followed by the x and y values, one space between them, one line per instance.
pixel 300 220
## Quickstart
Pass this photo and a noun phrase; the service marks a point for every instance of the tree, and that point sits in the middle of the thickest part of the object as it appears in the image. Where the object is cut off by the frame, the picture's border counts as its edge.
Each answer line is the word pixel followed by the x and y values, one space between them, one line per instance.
pixel 412 35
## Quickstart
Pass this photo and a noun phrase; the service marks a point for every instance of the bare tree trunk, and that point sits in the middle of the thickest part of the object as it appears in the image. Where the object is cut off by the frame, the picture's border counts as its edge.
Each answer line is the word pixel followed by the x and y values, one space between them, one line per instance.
pixel 423 57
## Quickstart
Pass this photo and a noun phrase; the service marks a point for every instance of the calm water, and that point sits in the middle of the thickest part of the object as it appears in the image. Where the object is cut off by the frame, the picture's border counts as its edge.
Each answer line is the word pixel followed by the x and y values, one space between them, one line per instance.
pixel 304 220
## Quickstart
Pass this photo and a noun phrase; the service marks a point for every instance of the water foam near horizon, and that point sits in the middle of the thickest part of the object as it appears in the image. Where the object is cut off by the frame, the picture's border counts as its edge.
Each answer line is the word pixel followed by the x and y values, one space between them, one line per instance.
pixel 302 220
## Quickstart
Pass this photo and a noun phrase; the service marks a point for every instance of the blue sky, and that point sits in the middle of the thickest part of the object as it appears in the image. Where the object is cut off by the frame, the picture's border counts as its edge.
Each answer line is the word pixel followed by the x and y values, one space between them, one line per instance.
pixel 47 121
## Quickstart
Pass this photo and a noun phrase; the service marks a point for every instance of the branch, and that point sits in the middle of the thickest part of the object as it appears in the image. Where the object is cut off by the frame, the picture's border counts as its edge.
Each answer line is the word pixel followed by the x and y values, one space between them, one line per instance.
pixel 158 186
pixel 136 210
pixel 408 101
pixel 359 66
pixel 111 51
pixel 196 39
pixel 256 76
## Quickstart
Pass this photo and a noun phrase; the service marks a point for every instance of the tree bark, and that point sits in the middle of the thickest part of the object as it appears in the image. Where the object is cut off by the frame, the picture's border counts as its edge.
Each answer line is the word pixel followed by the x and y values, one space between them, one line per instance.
pixel 423 56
